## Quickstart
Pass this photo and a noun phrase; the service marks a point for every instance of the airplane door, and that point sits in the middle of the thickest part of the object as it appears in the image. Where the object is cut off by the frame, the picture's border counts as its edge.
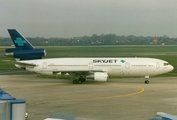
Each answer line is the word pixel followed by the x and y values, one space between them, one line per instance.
pixel 157 65
pixel 127 68
pixel 44 65
pixel 127 65
pixel 90 65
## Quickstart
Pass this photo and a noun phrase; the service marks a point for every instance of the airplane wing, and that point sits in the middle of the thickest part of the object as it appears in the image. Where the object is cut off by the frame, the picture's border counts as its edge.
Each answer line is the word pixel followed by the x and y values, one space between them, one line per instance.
pixel 73 72
pixel 24 64
pixel 79 72
pixel 21 63
pixel 76 71
pixel 166 116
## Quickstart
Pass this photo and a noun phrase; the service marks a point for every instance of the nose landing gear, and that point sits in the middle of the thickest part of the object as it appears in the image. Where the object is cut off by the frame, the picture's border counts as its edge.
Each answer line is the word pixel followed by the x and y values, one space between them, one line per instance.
pixel 146 80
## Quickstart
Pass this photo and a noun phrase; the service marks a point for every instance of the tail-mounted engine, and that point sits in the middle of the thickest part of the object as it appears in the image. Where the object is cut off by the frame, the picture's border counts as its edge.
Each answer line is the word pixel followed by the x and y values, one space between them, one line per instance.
pixel 25 54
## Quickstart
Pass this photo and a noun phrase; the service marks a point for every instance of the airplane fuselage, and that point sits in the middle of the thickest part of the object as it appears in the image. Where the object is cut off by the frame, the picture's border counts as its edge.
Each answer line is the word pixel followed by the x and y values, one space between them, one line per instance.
pixel 112 66
pixel 98 69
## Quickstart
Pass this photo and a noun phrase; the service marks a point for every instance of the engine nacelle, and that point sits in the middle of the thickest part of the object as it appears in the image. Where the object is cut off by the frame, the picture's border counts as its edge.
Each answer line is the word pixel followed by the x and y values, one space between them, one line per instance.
pixel 99 76
pixel 25 54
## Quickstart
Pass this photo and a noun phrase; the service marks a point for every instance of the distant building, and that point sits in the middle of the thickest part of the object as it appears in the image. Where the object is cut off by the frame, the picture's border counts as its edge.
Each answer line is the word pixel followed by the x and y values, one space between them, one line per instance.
pixel 155 41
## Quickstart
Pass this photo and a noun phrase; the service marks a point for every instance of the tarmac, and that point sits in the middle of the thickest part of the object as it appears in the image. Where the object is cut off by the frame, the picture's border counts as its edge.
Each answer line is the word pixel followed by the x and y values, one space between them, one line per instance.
pixel 117 99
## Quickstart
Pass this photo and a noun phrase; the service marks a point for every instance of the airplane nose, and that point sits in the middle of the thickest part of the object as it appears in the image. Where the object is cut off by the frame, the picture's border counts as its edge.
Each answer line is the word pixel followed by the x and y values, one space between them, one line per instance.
pixel 171 68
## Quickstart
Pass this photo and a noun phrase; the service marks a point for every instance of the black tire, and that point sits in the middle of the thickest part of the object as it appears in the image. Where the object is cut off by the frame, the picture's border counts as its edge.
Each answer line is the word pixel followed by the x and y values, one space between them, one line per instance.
pixel 83 80
pixel 74 81
pixel 146 81
pixel 79 81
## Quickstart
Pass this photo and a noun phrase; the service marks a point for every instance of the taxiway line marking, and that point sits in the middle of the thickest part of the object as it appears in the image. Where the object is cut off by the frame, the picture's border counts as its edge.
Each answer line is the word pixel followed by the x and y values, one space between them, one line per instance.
pixel 99 98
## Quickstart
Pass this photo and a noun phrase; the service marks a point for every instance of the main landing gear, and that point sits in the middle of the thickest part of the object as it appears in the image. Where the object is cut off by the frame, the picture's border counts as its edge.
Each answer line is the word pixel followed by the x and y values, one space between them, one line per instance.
pixel 146 80
pixel 79 81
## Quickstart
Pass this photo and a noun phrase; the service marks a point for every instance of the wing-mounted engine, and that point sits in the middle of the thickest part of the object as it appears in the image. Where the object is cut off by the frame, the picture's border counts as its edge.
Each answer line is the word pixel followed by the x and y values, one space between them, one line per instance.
pixel 99 76
pixel 25 54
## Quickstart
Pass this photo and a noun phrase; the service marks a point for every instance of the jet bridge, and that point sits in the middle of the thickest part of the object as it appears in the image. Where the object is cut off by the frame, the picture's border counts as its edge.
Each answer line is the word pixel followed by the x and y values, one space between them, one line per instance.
pixel 11 108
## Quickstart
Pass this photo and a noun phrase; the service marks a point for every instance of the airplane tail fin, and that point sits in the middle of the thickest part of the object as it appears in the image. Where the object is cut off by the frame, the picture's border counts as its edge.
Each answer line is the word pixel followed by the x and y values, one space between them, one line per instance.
pixel 23 50
pixel 19 41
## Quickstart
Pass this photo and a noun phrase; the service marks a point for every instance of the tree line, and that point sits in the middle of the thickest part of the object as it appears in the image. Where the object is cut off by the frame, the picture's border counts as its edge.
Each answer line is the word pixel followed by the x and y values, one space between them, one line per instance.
pixel 109 39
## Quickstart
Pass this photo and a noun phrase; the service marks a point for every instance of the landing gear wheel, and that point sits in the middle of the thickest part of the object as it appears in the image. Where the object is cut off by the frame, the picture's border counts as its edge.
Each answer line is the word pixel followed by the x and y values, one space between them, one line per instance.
pixel 79 81
pixel 83 79
pixel 74 81
pixel 146 81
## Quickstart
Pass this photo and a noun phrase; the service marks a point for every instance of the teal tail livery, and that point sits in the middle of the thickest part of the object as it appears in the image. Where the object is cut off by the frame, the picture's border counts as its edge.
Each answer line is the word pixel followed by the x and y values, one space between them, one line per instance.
pixel 23 50
pixel 97 69
pixel 19 41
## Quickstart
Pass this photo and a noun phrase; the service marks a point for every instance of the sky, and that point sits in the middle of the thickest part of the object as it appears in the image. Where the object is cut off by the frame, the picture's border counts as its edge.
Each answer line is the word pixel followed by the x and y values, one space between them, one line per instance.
pixel 74 18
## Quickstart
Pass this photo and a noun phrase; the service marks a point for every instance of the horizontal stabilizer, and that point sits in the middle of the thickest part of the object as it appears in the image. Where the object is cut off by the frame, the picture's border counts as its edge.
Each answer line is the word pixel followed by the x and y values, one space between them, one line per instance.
pixel 20 63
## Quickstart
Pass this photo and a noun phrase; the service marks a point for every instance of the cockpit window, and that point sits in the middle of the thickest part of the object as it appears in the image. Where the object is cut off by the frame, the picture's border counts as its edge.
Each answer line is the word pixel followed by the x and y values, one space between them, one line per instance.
pixel 165 64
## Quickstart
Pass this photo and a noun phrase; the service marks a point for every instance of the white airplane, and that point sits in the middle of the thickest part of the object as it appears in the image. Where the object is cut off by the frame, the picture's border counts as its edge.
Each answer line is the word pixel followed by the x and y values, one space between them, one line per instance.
pixel 99 69
pixel 165 116
pixel 61 116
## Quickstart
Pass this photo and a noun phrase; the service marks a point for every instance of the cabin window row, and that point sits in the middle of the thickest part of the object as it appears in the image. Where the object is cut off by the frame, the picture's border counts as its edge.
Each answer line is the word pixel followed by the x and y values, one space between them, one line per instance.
pixel 67 65
pixel 142 65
